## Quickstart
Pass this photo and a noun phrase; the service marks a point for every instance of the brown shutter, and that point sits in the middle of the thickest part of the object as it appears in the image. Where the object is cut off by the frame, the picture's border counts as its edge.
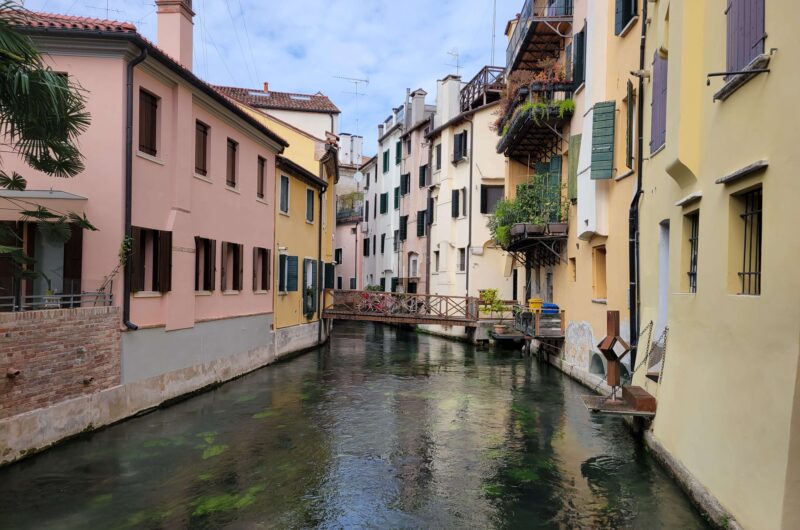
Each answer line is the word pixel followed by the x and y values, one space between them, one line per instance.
pixel 211 253
pixel 197 242
pixel 255 268
pixel 136 260
pixel 223 280
pixel 265 269
pixel 240 279
pixel 164 261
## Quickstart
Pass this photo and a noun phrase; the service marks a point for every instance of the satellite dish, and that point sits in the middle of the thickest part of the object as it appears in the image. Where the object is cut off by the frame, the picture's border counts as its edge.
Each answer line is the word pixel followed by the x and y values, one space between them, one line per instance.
pixel 358 177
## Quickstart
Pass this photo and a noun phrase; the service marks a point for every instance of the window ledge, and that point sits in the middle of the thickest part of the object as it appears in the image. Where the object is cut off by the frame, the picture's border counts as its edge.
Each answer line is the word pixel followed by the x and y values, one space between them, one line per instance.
pixel 737 81
pixel 602 301
pixel 229 293
pixel 234 190
pixel 654 153
pixel 203 293
pixel 579 89
pixel 151 158
pixel 309 222
pixel 262 201
pixel 624 175
pixel 204 178
pixel 147 294
pixel 261 291
pixel 628 26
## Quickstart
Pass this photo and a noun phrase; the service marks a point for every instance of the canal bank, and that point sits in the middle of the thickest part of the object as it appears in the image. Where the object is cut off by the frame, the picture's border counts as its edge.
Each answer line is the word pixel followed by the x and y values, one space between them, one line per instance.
pixel 381 427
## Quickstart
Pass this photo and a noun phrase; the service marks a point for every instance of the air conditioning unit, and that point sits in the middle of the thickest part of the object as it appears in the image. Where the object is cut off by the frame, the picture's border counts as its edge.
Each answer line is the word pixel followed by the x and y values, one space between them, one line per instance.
pixel 364 228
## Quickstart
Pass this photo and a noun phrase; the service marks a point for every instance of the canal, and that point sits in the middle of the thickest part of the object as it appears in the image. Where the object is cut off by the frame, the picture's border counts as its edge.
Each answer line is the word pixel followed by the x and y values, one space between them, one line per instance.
pixel 381 428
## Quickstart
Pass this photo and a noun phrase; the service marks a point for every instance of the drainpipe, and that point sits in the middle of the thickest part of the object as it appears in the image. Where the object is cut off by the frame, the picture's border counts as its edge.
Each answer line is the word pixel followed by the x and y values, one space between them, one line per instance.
pixel 126 279
pixel 633 218
pixel 319 262
pixel 429 243
pixel 469 195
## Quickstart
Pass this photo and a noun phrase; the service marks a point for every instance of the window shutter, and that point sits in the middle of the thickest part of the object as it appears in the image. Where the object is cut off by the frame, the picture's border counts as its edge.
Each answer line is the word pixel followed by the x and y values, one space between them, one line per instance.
pixel 745 20
pixel 484 199
pixel 429 217
pixel 629 126
pixel 223 275
pixel 394 285
pixel 619 21
pixel 603 140
pixel 384 202
pixel 291 273
pixel 383 243
pixel 255 268
pixel 397 197
pixel 329 273
pixel 314 284
pixel 240 262
pixel 281 273
pixel 136 260
pixel 568 60
pixel 574 159
pixel 542 168
pixel 366 247
pixel 421 223
pixel 405 183
pixel 164 262
pixel 454 203
pixel 554 188
pixel 457 153
pixel 579 68
pixel 212 253
pixel 658 120
pixel 398 152
pixel 403 227
pixel 423 176
pixel 266 269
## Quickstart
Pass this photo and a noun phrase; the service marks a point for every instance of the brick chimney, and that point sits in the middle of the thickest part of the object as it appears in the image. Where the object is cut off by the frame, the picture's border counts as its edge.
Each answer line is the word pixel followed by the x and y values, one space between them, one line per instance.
pixel 266 86
pixel 175 28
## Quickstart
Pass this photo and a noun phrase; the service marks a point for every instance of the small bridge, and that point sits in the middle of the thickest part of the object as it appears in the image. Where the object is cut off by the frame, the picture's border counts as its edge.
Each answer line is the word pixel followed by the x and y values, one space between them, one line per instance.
pixel 401 308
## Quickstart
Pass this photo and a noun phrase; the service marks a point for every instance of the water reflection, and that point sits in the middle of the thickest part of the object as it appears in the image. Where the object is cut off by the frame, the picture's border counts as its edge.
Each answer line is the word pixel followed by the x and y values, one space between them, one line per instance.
pixel 381 428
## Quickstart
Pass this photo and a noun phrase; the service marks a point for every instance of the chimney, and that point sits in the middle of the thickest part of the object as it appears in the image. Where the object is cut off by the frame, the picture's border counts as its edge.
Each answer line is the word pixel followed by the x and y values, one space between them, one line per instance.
pixel 358 149
pixel 380 130
pixel 448 101
pixel 175 29
pixel 266 86
pixel 418 106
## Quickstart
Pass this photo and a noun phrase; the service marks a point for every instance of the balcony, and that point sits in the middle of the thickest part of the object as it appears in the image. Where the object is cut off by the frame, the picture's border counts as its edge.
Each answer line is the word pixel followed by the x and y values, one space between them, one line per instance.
pixel 538 34
pixel 484 88
pixel 350 208
pixel 350 215
pixel 531 129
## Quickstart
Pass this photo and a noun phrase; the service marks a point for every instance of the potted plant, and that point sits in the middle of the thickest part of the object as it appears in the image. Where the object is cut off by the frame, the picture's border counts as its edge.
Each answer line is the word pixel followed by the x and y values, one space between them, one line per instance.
pixel 491 303
pixel 560 214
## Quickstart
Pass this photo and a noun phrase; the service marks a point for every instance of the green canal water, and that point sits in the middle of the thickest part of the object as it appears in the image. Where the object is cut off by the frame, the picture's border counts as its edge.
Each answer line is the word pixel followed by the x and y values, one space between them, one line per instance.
pixel 382 428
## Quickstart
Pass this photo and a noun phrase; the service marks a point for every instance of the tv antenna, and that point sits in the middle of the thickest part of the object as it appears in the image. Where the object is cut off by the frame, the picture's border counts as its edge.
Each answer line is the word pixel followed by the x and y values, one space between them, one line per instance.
pixel 456 56
pixel 355 93
pixel 106 9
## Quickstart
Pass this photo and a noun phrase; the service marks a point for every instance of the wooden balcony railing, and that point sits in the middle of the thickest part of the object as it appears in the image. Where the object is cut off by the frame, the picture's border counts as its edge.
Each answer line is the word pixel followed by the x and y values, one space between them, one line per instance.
pixel 535 11
pixel 401 307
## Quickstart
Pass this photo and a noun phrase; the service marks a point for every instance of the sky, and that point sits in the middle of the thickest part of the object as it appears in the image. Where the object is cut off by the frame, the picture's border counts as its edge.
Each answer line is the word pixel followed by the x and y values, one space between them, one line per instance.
pixel 302 45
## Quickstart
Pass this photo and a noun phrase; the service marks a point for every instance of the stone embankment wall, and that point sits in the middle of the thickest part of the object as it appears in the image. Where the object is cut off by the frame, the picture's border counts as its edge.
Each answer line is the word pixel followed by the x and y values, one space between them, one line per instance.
pixel 47 357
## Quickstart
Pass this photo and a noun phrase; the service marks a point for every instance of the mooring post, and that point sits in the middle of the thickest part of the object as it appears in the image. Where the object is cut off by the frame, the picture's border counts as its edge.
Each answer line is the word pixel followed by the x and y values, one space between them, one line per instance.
pixel 614 348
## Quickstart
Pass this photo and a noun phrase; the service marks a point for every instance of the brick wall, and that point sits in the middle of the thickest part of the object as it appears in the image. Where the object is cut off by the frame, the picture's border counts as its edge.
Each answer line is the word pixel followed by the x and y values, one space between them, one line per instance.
pixel 60 354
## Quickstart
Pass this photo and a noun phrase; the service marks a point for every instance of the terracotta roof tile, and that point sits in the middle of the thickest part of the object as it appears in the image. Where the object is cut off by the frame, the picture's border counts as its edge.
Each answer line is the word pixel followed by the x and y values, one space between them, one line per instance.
pixel 52 20
pixel 280 100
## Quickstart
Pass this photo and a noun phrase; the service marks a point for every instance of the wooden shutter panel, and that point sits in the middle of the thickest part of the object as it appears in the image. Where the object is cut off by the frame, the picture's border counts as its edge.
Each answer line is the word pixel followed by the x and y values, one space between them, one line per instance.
pixel 403 227
pixel 164 262
pixel 484 199
pixel 314 285
pixel 212 252
pixel 454 203
pixel 421 223
pixel 579 68
pixel 136 260
pixel 574 159
pixel 291 273
pixel 658 120
pixel 256 252
pixel 330 271
pixel 240 267
pixel 603 140
pixel 629 126
pixel 197 264
pixel 266 269
pixel 223 279
pixel 423 176
pixel 457 147
pixel 619 21
pixel 745 32
pixel 554 188
pixel 396 197
pixel 282 273
pixel 429 217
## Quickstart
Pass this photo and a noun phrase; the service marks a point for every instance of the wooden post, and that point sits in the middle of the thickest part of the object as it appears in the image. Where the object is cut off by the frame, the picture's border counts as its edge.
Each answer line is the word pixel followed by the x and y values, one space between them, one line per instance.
pixel 537 328
pixel 563 323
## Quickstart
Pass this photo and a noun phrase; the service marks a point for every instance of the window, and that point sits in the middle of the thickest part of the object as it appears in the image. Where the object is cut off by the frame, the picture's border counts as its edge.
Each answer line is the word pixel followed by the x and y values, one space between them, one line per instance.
pixel 230 174
pixel 436 261
pixel 658 120
pixel 352 283
pixel 366 210
pixel 405 183
pixel 454 206
pixel 337 256
pixel 309 286
pixel 383 242
pixel 385 162
pixel 201 148
pixel 287 273
pixel 460 146
pixel 464 206
pixel 374 244
pixel 384 202
pixel 232 266
pixel 403 227
pixel 438 156
pixel 328 272
pixel 309 206
pixel 375 208
pixel 151 260
pixel 398 152
pixel 205 264
pixel 462 260
pixel 746 32
pixel 599 277
pixel 490 196
pixel 625 10
pixel 421 223
pixel 148 123
pixel 692 230
pixel 749 209
pixel 579 64
pixel 366 247
pixel 339 284
pixel 284 206
pixel 397 198
pixel 423 176
pixel 260 182
pixel 261 269
pixel 573 270
pixel 408 146
pixel 396 241
pixel 413 265
pixel 431 209
pixel 383 284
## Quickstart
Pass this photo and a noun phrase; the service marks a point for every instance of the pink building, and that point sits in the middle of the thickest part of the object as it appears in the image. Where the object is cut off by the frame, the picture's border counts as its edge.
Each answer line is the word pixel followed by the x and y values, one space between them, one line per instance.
pixel 355 172
pixel 186 174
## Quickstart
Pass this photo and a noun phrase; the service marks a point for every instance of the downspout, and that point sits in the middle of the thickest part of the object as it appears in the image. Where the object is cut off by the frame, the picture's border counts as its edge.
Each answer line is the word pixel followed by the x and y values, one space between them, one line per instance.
pixel 633 218
pixel 469 196
pixel 319 254
pixel 429 222
pixel 126 280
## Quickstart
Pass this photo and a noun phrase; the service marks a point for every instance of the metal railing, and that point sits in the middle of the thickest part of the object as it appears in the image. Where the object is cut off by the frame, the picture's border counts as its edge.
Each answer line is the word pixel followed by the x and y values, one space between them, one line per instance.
pixel 535 323
pixel 531 11
pixel 55 301
pixel 490 78
pixel 349 214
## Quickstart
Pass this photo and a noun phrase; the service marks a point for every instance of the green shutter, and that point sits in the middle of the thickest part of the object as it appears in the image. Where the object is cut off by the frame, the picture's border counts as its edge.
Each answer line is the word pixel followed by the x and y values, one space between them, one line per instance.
pixel 398 152
pixel 384 202
pixel 397 198
pixel 403 227
pixel 554 189
pixel 386 161
pixel 542 168
pixel 574 159
pixel 421 223
pixel 629 126
pixel 291 280
pixel 603 140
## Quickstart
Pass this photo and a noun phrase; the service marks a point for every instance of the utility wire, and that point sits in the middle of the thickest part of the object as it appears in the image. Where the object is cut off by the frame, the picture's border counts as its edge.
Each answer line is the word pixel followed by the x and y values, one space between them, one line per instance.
pixel 247 36
pixel 250 72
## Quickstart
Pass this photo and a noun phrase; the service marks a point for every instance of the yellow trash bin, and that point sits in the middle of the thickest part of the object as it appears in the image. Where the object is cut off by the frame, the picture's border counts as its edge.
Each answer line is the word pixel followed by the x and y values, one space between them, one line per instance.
pixel 535 304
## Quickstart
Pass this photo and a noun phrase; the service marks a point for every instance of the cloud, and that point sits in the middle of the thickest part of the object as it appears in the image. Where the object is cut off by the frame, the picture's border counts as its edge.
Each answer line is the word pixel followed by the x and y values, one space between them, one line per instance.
pixel 302 45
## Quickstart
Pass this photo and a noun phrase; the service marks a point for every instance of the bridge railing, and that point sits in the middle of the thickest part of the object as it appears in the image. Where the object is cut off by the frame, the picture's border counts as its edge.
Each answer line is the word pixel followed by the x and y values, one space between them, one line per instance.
pixel 400 305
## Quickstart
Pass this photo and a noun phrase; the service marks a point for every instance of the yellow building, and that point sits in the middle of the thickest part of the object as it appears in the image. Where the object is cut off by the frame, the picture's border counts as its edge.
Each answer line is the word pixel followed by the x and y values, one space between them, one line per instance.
pixel 719 250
